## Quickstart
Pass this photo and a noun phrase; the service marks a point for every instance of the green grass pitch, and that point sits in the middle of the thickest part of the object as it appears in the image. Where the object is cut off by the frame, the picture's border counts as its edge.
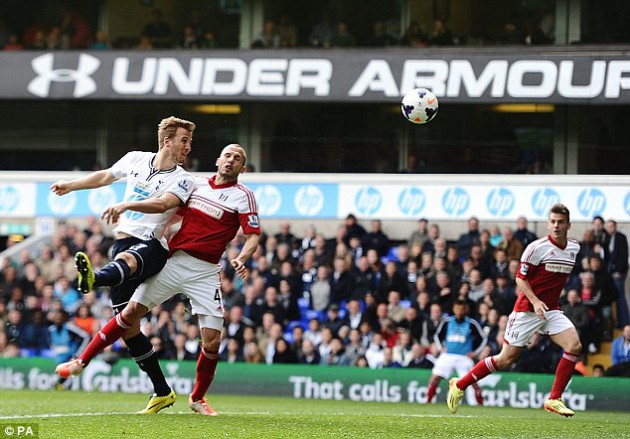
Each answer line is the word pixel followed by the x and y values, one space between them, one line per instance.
pixel 105 415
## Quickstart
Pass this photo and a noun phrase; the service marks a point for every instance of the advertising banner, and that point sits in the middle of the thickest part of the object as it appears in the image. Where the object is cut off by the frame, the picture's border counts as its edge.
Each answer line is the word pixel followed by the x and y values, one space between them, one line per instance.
pixel 379 197
pixel 541 75
pixel 322 382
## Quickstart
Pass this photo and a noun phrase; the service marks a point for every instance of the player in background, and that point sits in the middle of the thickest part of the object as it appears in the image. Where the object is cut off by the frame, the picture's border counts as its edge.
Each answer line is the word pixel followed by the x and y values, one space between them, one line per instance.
pixel 456 336
pixel 545 266
pixel 156 186
pixel 218 207
pixel 66 339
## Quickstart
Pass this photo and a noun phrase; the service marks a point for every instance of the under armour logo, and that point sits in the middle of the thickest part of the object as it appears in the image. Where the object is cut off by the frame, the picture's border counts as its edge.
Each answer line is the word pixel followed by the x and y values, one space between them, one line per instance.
pixel 84 84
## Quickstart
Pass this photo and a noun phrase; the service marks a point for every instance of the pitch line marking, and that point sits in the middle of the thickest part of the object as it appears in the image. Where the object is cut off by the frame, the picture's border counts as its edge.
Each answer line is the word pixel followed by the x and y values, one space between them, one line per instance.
pixel 75 415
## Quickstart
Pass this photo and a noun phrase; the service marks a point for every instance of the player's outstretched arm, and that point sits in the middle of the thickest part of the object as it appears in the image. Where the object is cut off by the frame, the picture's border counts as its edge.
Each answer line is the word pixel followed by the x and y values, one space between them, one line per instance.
pixel 159 204
pixel 92 181
pixel 250 246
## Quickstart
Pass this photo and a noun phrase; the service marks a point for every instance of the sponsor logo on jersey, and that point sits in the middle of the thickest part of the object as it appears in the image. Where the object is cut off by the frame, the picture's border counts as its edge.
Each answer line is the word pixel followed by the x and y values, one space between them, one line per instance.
pixel 558 268
pixel 209 210
pixel 184 185
pixel 142 189
pixel 252 221
pixel 524 269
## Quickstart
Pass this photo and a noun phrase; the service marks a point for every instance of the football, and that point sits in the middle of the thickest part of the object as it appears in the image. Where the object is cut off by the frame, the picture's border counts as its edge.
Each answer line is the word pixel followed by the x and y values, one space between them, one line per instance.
pixel 419 105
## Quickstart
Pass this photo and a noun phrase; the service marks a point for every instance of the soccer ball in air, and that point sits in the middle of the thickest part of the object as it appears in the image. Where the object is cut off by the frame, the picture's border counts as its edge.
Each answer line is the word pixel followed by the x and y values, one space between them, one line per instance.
pixel 419 105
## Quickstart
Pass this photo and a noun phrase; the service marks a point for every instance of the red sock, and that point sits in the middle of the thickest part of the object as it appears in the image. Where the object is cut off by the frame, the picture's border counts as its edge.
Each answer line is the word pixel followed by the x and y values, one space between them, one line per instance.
pixel 478 393
pixel 481 370
pixel 112 331
pixel 206 368
pixel 433 385
pixel 563 375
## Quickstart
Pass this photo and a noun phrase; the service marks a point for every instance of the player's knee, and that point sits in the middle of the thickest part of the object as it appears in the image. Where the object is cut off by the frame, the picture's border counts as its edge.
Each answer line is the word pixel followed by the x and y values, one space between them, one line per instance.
pixel 211 341
pixel 130 259
pixel 575 347
pixel 133 312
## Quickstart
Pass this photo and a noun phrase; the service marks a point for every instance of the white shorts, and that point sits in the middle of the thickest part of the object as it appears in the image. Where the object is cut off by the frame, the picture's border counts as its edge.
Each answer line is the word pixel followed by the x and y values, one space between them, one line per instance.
pixel 521 326
pixel 446 363
pixel 198 280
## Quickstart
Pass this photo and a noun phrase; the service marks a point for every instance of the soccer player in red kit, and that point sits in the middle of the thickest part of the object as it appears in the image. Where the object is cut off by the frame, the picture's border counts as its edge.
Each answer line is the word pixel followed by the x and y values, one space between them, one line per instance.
pixel 215 211
pixel 545 266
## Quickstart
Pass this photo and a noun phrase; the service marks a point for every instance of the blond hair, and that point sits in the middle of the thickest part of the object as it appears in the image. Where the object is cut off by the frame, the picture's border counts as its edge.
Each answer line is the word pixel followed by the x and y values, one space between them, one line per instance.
pixel 168 127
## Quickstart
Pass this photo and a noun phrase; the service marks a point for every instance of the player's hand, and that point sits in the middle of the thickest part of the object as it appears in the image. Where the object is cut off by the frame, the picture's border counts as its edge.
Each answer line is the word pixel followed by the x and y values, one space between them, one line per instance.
pixel 540 308
pixel 113 212
pixel 239 267
pixel 60 187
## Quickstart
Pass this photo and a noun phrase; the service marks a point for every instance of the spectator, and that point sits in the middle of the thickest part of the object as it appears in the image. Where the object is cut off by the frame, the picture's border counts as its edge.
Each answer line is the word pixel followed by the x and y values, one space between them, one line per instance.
pixel 268 37
pixel 620 355
pixel 575 311
pixel 322 33
pixel 336 356
pixel 419 359
pixel 14 43
pixel 180 351
pixel 342 37
pixel 309 355
pixel 85 320
pixel 468 239
pixel 412 323
pixel 333 321
pixel 69 297
pixel 353 229
pixel 379 37
pixel 395 311
pixel 617 246
pixel 288 32
pixel 376 239
pixel 188 39
pixel 158 31
pixel 233 352
pixel 313 333
pixel 599 370
pixel 321 290
pixel 512 246
pixel 522 233
pixel 600 233
pixel 391 280
pixel 78 30
pixel 415 36
pixel 421 234
pixel 441 35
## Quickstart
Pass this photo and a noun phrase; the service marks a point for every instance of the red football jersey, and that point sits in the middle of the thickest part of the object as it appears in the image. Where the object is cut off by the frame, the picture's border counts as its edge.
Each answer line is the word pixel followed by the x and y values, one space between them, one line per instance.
pixel 546 266
pixel 212 217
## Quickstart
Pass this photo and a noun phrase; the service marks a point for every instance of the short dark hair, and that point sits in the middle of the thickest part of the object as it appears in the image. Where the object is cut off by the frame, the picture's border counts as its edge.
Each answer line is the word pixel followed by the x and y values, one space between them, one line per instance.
pixel 561 209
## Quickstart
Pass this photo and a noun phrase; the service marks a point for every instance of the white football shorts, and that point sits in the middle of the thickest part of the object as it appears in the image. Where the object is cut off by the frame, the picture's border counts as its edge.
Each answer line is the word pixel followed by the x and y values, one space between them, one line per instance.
pixel 446 363
pixel 521 326
pixel 197 279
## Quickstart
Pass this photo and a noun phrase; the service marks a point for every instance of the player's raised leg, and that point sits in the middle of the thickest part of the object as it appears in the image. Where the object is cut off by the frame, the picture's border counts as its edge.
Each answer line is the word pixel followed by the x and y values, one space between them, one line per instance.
pixel 112 331
pixel 113 273
pixel 207 364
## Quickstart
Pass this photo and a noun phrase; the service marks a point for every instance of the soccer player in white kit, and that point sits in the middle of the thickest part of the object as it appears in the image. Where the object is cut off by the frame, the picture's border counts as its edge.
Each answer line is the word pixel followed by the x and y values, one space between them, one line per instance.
pixel 216 210
pixel 545 266
pixel 156 186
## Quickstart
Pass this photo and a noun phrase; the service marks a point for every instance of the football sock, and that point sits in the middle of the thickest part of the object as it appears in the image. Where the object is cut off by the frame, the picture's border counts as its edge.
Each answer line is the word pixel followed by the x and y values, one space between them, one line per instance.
pixel 114 273
pixel 142 352
pixel 206 368
pixel 433 385
pixel 112 331
pixel 478 393
pixel 481 370
pixel 563 375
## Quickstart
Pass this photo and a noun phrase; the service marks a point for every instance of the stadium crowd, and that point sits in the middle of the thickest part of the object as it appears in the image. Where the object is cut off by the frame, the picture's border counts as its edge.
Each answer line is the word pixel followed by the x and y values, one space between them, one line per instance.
pixel 354 299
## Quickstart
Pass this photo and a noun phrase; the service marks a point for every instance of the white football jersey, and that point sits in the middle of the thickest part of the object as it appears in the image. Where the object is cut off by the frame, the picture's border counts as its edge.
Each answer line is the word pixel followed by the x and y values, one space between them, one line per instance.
pixel 144 182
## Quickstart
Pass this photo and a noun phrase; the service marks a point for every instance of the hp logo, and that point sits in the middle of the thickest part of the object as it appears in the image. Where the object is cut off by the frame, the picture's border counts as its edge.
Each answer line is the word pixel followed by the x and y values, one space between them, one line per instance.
pixel 368 200
pixel 591 202
pixel 269 199
pixel 309 200
pixel 411 201
pixel 62 205
pixel 100 199
pixel 626 203
pixel 500 201
pixel 8 198
pixel 455 201
pixel 542 201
